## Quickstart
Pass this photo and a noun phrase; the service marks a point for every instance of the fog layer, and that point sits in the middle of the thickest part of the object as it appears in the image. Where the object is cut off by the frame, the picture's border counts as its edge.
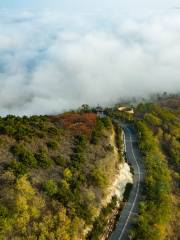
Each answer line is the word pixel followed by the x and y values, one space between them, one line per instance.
pixel 50 62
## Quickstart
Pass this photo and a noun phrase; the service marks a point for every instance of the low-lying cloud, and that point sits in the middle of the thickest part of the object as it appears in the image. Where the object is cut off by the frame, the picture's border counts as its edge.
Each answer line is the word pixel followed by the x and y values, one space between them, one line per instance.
pixel 51 62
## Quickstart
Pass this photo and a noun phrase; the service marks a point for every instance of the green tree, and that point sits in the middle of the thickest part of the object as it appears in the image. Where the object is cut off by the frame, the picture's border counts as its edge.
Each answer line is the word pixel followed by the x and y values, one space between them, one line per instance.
pixel 24 155
pixel 50 187
pixel 43 158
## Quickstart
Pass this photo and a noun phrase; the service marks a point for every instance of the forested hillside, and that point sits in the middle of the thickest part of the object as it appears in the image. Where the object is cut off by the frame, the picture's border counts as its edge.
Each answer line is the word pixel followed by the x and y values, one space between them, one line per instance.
pixel 54 174
pixel 158 127
pixel 56 170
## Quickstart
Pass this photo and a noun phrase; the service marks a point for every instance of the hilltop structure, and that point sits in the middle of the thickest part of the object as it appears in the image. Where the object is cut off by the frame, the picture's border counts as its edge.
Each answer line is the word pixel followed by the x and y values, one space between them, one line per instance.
pixel 126 109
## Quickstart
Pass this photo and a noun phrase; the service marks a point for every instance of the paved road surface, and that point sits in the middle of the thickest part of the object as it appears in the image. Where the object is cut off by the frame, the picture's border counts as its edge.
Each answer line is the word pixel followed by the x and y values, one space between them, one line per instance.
pixel 131 208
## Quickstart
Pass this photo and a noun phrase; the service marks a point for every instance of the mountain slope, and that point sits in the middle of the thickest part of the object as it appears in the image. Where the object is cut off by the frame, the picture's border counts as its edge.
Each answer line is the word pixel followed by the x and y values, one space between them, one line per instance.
pixel 55 172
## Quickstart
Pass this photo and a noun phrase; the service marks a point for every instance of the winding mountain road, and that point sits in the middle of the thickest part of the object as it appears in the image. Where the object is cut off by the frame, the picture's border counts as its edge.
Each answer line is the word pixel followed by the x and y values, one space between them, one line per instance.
pixel 131 207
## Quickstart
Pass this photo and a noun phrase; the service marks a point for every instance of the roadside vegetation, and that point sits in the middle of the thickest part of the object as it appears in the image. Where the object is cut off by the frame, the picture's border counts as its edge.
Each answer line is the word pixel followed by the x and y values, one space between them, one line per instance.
pixel 102 223
pixel 159 141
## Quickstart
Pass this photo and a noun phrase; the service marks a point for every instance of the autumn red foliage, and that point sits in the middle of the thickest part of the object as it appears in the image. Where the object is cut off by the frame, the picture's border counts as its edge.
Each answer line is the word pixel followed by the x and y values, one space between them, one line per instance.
pixel 78 122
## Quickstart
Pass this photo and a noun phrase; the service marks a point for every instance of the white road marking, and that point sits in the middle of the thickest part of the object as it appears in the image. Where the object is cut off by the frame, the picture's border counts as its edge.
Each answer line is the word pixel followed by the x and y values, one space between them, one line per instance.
pixel 137 192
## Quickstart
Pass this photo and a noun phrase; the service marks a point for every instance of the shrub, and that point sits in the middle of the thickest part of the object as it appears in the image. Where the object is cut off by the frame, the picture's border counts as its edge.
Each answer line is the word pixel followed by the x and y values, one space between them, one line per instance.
pixel 40 134
pixel 60 160
pixel 109 148
pixel 21 133
pixel 99 178
pixel 53 131
pixel 101 221
pixel 152 119
pixel 50 187
pixel 52 144
pixel 77 159
pixel 95 136
pixel 98 129
pixel 67 174
pixel 127 191
pixel 42 158
pixel 18 168
pixel 24 155
pixel 106 122
pixel 1 141
pixel 3 212
pixel 7 129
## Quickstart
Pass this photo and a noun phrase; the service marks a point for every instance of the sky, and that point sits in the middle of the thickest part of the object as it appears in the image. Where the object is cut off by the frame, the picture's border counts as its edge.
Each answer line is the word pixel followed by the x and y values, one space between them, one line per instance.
pixel 89 5
pixel 58 55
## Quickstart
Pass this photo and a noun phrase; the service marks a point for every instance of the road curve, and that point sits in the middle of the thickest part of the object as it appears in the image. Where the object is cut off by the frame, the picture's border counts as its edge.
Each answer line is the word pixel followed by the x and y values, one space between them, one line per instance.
pixel 131 207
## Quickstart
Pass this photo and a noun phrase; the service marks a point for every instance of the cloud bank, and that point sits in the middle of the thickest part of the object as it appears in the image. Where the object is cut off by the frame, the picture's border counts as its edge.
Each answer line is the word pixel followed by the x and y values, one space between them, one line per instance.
pixel 51 62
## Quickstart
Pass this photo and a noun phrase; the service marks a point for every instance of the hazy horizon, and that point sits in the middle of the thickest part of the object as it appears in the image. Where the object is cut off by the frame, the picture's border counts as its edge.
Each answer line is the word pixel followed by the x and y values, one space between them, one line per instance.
pixel 52 60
